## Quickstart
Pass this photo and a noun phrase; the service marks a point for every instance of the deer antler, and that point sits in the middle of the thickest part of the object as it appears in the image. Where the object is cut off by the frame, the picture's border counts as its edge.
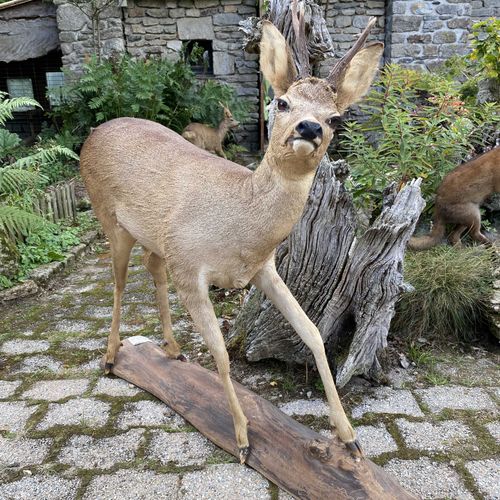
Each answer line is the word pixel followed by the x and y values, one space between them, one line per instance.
pixel 299 28
pixel 338 71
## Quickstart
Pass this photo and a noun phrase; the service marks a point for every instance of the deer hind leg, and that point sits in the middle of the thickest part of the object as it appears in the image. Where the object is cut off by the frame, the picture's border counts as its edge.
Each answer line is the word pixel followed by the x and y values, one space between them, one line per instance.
pixel 456 234
pixel 269 281
pixel 157 267
pixel 199 306
pixel 121 243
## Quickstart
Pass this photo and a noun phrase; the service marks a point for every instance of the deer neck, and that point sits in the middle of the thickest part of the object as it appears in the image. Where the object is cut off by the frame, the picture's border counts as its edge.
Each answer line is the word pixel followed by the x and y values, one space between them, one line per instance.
pixel 280 199
pixel 222 129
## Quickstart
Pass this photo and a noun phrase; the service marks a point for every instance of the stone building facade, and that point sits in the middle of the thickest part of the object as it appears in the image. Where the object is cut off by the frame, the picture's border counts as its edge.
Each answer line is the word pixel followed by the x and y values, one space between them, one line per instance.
pixel 159 27
pixel 420 33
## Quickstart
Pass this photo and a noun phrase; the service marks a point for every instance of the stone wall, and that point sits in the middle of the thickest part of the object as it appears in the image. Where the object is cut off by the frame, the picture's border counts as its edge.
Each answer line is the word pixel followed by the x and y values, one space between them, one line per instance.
pixel 346 19
pixel 424 33
pixel 76 37
pixel 158 27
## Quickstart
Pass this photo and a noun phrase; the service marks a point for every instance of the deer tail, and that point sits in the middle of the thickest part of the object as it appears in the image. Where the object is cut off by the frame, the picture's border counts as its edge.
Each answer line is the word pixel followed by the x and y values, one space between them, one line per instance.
pixel 432 239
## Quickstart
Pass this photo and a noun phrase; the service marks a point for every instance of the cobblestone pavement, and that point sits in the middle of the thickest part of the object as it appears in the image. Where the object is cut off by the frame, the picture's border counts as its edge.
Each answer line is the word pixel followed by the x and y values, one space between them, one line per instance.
pixel 66 431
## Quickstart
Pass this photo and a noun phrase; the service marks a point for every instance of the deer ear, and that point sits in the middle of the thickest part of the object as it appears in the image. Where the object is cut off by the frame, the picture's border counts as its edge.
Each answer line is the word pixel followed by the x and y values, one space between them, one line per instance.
pixel 276 61
pixel 359 75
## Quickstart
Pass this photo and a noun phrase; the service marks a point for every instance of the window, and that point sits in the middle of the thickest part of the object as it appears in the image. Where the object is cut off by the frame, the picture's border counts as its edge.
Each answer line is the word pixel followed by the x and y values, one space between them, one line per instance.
pixel 20 87
pixel 199 54
pixel 55 82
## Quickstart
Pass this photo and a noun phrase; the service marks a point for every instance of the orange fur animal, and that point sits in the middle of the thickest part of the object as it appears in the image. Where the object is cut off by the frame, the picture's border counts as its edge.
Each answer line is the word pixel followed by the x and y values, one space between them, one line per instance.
pixel 210 138
pixel 206 220
pixel 458 199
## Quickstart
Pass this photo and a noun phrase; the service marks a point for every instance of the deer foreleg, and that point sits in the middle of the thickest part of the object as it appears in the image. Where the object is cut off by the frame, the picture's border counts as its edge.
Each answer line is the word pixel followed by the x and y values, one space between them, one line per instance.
pixel 202 312
pixel 269 281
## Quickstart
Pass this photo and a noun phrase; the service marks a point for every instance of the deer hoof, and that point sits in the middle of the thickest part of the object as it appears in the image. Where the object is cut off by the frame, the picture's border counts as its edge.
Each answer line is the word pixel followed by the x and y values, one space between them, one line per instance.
pixel 355 448
pixel 182 358
pixel 108 367
pixel 244 452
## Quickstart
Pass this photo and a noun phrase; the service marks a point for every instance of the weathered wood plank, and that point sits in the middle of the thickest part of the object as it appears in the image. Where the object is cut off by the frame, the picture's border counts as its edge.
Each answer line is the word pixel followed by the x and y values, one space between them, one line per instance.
pixel 297 459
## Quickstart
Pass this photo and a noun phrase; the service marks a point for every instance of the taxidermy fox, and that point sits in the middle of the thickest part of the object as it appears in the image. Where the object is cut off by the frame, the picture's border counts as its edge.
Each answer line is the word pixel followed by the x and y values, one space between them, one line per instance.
pixel 210 138
pixel 458 199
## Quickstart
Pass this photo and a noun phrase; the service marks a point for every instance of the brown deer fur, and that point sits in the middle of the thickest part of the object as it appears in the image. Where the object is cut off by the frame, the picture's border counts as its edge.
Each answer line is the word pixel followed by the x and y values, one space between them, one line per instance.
pixel 207 221
pixel 458 199
pixel 210 138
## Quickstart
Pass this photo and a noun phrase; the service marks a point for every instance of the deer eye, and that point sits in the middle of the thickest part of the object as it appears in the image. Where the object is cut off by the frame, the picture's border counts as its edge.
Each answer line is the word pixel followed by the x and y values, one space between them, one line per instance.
pixel 282 105
pixel 334 121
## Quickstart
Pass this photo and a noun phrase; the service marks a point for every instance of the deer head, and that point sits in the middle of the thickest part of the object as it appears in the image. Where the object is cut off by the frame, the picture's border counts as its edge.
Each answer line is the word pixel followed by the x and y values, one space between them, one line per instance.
pixel 228 119
pixel 308 109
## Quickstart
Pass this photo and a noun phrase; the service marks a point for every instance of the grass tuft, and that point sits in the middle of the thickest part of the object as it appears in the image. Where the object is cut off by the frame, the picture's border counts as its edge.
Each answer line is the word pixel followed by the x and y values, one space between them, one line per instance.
pixel 453 288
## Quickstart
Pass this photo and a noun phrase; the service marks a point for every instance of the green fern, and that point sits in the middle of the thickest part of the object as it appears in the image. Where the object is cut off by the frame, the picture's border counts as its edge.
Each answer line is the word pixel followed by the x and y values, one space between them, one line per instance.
pixel 8 106
pixel 16 222
pixel 15 180
pixel 46 155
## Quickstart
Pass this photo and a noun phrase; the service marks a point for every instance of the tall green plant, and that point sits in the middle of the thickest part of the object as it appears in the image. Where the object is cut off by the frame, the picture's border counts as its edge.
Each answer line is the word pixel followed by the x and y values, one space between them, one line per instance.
pixel 154 89
pixel 419 126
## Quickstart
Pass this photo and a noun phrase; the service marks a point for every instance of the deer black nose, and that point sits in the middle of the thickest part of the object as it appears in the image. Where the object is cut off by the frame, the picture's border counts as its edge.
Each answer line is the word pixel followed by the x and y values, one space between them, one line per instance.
pixel 309 130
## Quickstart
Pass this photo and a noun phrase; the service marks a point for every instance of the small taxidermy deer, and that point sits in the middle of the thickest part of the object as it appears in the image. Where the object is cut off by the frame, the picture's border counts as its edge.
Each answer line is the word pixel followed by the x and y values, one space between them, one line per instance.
pixel 205 220
pixel 458 199
pixel 210 138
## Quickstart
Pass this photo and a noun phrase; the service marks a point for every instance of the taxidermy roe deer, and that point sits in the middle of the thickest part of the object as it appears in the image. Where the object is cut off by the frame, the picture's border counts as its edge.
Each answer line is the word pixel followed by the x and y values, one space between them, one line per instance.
pixel 205 220
pixel 209 138
pixel 458 199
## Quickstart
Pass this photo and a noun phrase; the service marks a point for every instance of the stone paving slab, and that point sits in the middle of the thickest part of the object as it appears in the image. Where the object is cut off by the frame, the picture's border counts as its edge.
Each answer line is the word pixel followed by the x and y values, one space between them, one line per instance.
pixel 224 482
pixel 133 485
pixel 148 414
pixel 14 347
pixel 74 326
pixel 494 430
pixel 180 448
pixel 53 390
pixel 115 387
pixel 22 452
pixel 39 363
pixel 87 452
pixel 14 415
pixel 43 487
pixel 84 412
pixel 486 474
pixel 299 407
pixel 387 400
pixel 428 479
pixel 441 437
pixel 8 388
pixel 456 398
pixel 86 344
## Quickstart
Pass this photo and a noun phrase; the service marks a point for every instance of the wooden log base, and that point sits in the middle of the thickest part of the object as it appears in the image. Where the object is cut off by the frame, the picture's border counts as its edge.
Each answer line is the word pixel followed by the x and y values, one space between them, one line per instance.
pixel 297 459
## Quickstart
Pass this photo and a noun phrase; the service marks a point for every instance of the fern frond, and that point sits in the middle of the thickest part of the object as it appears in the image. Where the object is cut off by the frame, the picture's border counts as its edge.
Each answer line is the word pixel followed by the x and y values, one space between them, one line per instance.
pixel 15 222
pixel 15 180
pixel 8 106
pixel 47 155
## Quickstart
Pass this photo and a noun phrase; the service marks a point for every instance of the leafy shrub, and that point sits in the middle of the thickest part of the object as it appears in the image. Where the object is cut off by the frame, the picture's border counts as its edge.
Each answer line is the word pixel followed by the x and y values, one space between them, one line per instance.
pixel 420 125
pixel 154 89
pixel 486 47
pixel 452 290
pixel 22 178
